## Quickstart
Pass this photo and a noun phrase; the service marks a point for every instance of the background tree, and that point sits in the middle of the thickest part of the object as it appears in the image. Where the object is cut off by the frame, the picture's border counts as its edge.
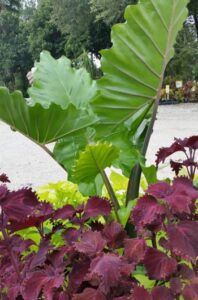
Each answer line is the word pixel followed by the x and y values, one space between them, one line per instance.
pixel 110 12
pixel 184 65
pixel 12 5
pixel 43 32
pixel 193 10
pixel 78 29
pixel 15 58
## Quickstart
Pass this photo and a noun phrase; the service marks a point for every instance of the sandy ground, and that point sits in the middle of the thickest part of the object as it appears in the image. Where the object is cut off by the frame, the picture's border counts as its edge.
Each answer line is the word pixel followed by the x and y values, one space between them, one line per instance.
pixel 27 164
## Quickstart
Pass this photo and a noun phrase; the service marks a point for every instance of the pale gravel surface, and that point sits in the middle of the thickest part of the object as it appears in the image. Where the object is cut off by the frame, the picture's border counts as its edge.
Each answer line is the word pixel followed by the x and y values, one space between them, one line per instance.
pixel 27 164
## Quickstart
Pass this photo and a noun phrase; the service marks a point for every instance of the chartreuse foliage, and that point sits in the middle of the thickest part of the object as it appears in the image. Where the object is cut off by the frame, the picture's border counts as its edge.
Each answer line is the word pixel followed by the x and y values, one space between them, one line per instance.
pixel 61 193
pixel 69 254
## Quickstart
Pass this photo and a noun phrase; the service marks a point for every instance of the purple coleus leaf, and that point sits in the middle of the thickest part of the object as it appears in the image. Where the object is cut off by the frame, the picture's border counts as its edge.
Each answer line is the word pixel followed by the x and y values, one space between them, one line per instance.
pixel 180 196
pixel 176 166
pixel 183 239
pixel 141 293
pixel 190 292
pixel 71 235
pixel 42 212
pixel 106 269
pixel 165 152
pixel 158 265
pixel 95 207
pixel 191 142
pixel 134 249
pixel 175 286
pixel 90 294
pixel 78 274
pixel 46 280
pixel 39 257
pixel 18 245
pixel 185 272
pixel 159 190
pixel 60 296
pixel 4 178
pixel 114 235
pixel 161 293
pixel 147 213
pixel 91 243
pixel 19 205
pixel 3 193
pixel 67 212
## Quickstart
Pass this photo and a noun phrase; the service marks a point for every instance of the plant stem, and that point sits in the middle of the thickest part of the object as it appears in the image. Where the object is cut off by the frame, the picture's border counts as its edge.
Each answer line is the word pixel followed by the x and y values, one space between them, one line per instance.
pixel 111 193
pixel 136 180
pixel 133 187
pixel 44 147
pixel 6 238
pixel 135 176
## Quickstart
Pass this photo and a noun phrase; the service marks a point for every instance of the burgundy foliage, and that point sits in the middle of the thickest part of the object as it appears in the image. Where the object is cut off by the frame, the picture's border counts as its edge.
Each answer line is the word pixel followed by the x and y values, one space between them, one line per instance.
pixel 188 147
pixel 98 261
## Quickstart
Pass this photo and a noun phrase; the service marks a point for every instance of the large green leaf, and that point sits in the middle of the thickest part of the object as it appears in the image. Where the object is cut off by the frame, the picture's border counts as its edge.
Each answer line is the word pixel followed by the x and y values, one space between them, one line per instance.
pixel 55 81
pixel 67 150
pixel 94 160
pixel 39 124
pixel 133 68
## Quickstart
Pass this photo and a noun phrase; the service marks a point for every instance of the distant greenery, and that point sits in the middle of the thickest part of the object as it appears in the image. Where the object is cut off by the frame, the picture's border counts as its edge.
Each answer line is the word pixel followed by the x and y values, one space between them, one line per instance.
pixel 184 65
pixel 74 28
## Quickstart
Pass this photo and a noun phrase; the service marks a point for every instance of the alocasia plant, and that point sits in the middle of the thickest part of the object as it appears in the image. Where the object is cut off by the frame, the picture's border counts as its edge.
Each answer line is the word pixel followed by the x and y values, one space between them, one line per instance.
pixel 97 259
pixel 69 108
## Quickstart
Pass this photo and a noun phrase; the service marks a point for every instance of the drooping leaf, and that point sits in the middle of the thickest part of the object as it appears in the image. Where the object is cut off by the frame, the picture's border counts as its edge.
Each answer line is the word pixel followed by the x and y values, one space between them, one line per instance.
pixel 41 125
pixel 55 81
pixel 94 160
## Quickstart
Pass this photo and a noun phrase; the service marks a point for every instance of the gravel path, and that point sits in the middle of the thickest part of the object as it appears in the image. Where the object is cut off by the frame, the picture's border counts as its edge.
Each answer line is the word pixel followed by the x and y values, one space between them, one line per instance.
pixel 26 164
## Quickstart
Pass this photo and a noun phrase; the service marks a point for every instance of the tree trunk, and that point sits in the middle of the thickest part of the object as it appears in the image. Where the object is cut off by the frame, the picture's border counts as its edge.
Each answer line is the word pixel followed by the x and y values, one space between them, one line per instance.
pixel 196 22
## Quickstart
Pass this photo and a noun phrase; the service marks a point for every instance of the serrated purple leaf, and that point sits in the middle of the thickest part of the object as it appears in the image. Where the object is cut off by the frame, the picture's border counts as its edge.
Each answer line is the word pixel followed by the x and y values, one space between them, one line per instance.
pixel 91 243
pixel 114 235
pixel 183 239
pixel 95 207
pixel 89 294
pixel 134 249
pixel 158 265
pixel 162 293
